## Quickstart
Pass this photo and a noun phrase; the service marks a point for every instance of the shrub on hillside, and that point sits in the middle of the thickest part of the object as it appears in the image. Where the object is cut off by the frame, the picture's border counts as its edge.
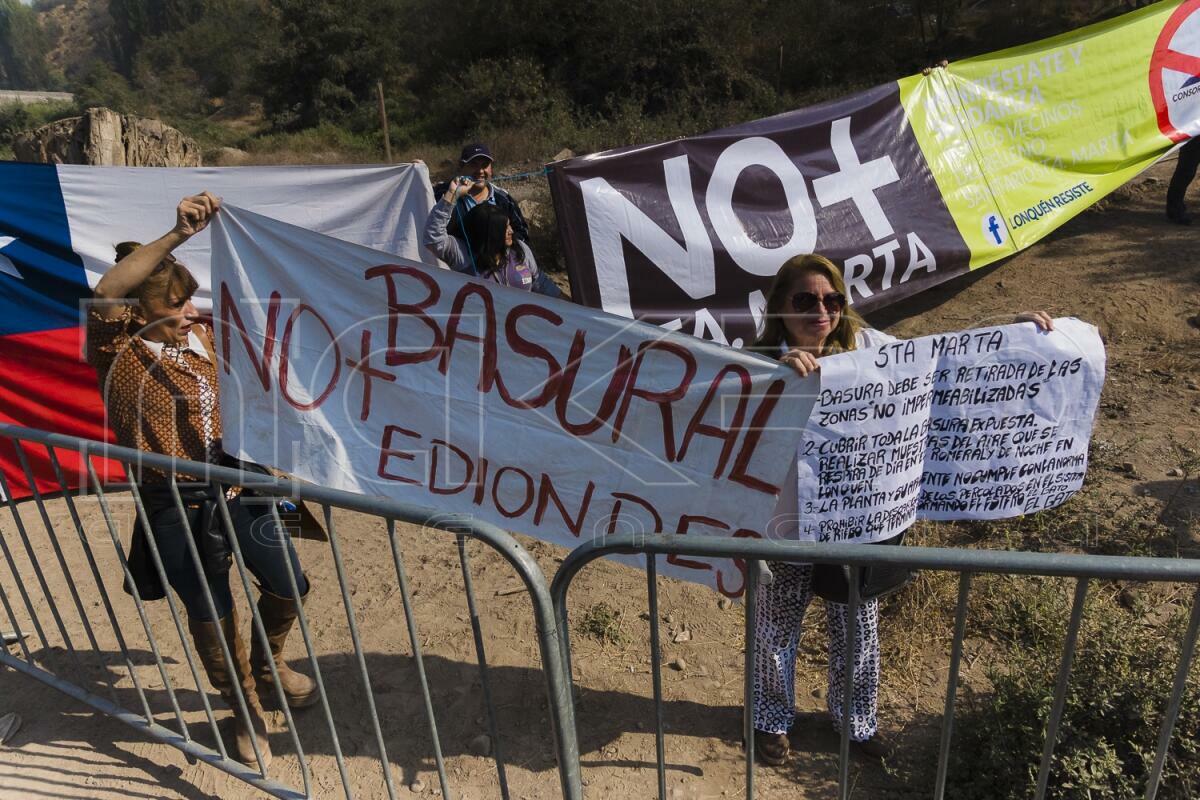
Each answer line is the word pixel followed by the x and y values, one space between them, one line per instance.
pixel 495 95
pixel 17 117
pixel 1120 683
pixel 102 86
pixel 23 48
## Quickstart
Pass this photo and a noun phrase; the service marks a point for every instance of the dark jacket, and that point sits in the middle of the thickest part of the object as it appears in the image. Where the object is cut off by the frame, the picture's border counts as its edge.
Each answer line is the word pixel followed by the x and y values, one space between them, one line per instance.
pixel 504 201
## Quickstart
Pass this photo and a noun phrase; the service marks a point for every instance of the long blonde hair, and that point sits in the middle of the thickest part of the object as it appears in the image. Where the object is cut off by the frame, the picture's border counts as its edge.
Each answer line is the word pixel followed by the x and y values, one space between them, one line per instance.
pixel 774 334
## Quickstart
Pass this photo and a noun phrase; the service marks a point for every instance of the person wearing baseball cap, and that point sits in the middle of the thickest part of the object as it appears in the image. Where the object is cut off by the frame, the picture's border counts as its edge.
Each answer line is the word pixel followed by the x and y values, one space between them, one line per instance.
pixel 475 164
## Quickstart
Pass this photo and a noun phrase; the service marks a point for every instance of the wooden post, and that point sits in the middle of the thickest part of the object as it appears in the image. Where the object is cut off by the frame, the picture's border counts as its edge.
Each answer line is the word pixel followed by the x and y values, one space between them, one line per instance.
pixel 779 73
pixel 387 142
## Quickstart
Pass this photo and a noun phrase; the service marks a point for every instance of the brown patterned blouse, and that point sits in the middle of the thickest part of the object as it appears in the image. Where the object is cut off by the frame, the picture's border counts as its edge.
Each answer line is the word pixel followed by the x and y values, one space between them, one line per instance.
pixel 159 398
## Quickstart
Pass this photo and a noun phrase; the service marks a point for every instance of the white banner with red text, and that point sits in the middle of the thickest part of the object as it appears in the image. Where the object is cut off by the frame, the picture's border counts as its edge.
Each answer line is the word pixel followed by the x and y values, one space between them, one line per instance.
pixel 358 370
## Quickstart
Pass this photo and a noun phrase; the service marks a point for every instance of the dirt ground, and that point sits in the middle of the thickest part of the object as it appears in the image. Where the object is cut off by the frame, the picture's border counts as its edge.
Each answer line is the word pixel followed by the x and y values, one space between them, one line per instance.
pixel 1120 266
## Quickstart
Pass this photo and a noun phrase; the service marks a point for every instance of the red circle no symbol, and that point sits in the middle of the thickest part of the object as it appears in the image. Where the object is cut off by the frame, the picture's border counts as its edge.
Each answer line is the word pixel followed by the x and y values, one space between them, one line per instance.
pixel 1175 54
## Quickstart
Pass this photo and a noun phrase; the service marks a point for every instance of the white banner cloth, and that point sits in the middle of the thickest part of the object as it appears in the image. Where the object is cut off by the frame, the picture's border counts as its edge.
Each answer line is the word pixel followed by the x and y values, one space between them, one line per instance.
pixel 360 371
pixel 379 207
pixel 980 424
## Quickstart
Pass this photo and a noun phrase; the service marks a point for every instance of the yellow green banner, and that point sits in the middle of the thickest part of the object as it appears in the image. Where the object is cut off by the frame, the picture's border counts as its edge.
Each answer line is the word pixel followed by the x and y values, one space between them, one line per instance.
pixel 1022 140
pixel 905 185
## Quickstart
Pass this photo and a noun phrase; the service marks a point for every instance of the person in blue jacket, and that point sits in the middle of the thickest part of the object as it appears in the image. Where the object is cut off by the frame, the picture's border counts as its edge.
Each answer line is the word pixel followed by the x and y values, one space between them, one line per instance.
pixel 476 163
pixel 489 250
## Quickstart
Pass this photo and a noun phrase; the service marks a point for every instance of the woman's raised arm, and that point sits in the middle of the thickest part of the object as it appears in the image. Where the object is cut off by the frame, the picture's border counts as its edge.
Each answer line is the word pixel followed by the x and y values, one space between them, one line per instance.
pixel 191 216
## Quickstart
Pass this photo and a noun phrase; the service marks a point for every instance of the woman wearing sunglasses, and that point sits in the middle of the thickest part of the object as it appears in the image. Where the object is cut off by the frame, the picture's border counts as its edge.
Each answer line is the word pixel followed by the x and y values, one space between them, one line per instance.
pixel 808 318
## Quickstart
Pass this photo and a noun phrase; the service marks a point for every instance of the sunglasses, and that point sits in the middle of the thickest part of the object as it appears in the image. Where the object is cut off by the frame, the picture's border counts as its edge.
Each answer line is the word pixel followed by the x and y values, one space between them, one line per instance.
pixel 807 301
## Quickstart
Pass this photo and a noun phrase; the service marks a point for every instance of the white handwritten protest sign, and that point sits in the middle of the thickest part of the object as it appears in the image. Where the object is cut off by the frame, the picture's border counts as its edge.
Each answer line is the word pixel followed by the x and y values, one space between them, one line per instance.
pixel 982 424
pixel 357 370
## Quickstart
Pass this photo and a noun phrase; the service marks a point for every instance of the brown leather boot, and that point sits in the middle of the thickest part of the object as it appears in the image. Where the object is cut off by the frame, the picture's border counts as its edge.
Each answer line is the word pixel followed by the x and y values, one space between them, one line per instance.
pixel 207 637
pixel 278 616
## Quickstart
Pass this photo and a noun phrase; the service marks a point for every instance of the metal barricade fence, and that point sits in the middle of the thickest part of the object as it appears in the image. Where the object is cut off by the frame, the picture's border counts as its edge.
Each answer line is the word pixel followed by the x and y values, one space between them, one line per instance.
pixel 967 563
pixel 47 665
pixel 549 607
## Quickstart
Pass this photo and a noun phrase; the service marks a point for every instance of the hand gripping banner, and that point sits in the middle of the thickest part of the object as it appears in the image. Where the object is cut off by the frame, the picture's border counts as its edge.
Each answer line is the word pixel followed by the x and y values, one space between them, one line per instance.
pixel 905 185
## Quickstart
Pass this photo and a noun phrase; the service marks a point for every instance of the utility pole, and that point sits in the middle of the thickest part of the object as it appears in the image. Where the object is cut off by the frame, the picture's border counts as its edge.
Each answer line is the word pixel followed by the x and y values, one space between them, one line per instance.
pixel 387 141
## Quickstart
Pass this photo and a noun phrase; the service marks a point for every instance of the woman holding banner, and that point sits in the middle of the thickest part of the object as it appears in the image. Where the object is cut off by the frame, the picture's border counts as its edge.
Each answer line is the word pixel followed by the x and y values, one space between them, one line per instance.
pixel 807 318
pixel 158 376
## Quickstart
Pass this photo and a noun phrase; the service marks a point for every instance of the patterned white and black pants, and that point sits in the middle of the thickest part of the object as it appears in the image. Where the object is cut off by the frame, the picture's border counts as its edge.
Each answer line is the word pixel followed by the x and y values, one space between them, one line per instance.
pixel 781 607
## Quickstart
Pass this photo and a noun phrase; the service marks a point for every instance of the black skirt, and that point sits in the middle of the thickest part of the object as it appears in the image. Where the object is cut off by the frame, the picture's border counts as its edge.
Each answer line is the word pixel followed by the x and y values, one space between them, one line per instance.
pixel 204 519
pixel 832 581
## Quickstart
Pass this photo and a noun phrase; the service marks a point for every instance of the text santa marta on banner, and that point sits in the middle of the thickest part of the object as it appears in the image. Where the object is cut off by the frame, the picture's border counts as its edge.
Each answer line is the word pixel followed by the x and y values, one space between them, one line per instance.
pixel 905 185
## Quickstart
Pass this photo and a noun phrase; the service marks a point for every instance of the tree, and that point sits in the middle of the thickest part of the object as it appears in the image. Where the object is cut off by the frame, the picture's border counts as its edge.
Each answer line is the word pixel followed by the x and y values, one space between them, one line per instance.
pixel 327 58
pixel 185 71
pixel 23 48
pixel 134 21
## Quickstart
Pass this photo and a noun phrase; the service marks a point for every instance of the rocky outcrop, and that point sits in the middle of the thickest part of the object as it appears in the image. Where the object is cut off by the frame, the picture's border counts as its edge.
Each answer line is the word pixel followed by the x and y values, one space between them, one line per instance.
pixel 103 137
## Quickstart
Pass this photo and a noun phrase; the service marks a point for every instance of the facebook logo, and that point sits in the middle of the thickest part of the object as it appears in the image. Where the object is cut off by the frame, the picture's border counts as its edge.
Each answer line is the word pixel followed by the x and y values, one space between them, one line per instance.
pixel 994 230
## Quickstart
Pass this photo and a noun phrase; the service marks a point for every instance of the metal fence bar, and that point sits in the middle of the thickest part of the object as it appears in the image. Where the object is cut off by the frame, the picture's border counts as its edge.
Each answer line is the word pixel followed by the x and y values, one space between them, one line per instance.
pixel 485 681
pixel 547 627
pixel 566 746
pixel 960 629
pixel 37 571
pixel 561 614
pixel 12 620
pixel 261 631
pixel 340 569
pixel 1010 562
pixel 95 570
pixel 966 562
pixel 851 662
pixel 550 608
pixel 305 633
pixel 1187 650
pixel 411 622
pixel 144 517
pixel 558 688
pixel 215 618
pixel 656 671
pixel 33 617
pixel 1060 690
pixel 23 460
pixel 756 572
pixel 137 598
pixel 153 730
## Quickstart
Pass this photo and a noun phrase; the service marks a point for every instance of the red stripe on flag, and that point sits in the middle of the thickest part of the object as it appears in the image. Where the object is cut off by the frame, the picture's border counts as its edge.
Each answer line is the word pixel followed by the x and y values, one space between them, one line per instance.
pixel 45 384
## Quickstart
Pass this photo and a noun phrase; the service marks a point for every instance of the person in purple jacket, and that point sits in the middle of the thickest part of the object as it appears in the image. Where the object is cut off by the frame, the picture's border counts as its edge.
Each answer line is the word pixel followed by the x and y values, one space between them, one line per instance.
pixel 490 250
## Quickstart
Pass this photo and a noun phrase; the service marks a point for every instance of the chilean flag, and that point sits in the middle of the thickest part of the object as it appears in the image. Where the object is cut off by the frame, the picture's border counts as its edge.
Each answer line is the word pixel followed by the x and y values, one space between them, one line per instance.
pixel 58 226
